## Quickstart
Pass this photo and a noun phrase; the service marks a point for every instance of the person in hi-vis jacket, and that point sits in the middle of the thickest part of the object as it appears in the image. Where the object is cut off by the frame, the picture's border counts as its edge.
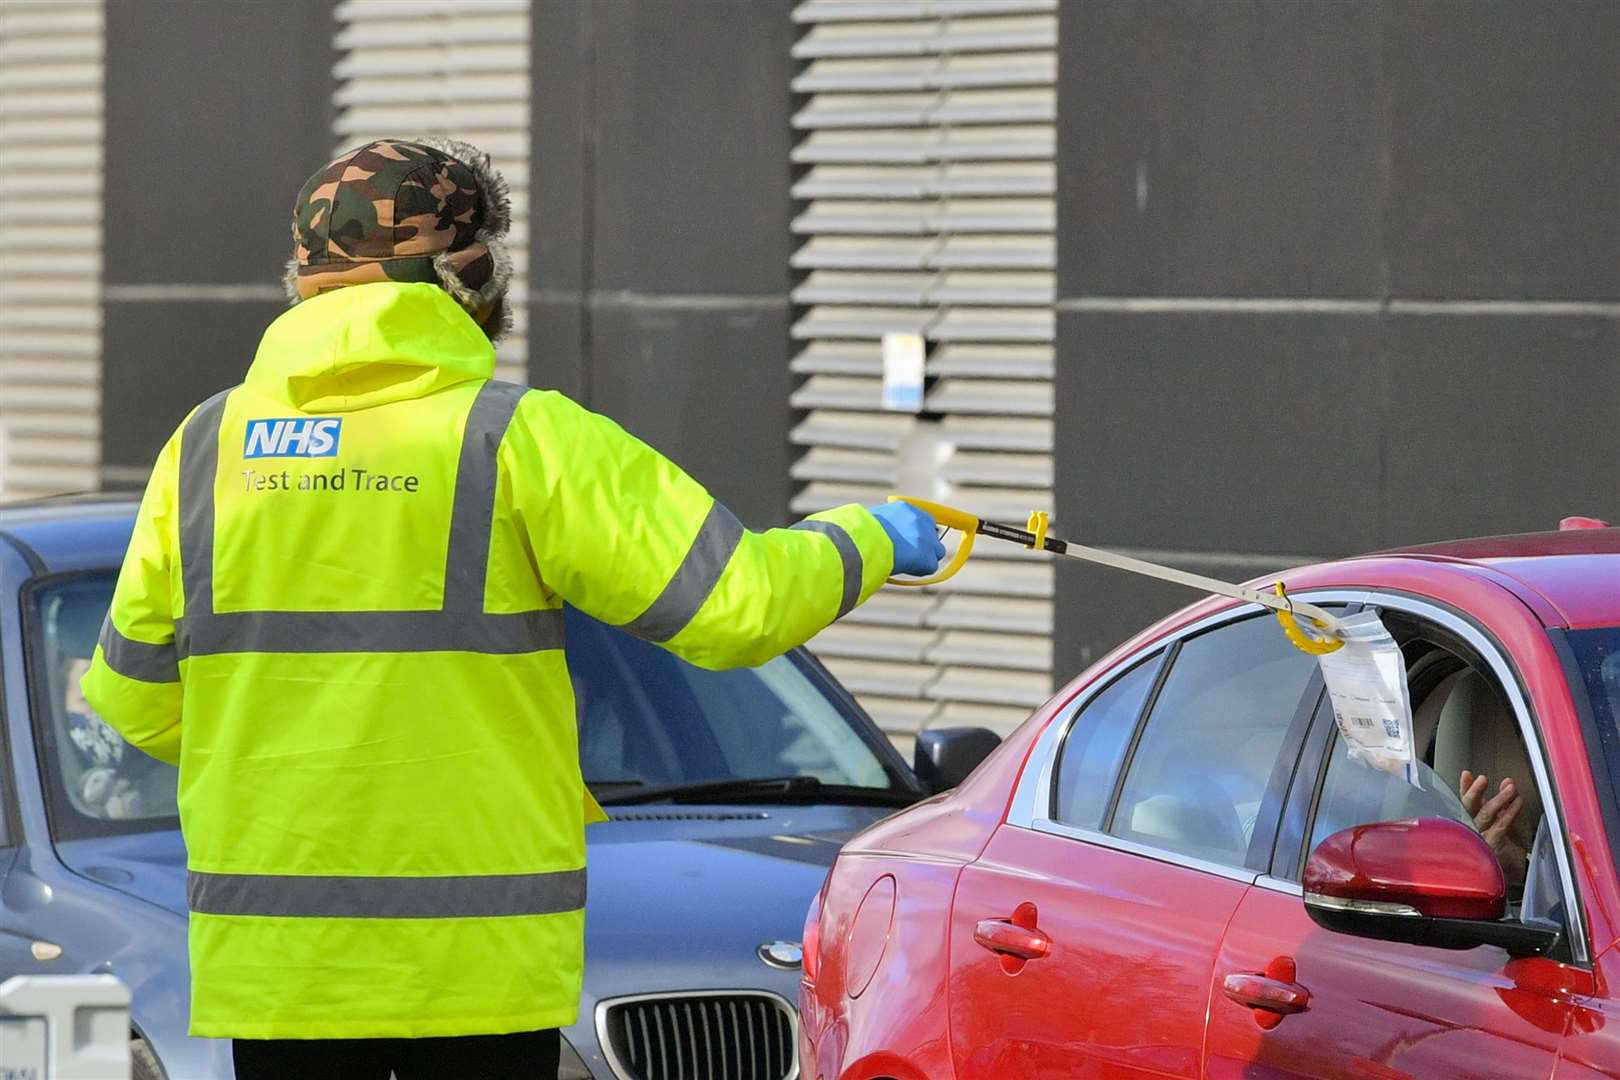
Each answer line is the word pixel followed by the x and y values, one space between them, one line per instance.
pixel 341 615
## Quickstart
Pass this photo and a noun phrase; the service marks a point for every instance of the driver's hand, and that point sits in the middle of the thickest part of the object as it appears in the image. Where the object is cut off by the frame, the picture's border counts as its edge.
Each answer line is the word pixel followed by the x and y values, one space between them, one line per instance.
pixel 1494 817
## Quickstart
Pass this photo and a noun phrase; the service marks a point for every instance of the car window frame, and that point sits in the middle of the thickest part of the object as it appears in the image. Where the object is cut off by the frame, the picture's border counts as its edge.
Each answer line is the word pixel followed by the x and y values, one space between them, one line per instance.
pixel 1160 659
pixel 11 831
pixel 53 795
pixel 14 665
pixel 1032 802
pixel 1478 647
pixel 1602 744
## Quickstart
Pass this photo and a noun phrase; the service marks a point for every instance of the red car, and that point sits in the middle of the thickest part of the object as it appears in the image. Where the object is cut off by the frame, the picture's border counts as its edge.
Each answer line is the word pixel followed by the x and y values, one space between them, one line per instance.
pixel 1175 869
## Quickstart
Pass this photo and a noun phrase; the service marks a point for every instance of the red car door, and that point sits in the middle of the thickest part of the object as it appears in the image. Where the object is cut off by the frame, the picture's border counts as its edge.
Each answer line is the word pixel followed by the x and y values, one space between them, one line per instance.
pixel 1344 1006
pixel 1082 940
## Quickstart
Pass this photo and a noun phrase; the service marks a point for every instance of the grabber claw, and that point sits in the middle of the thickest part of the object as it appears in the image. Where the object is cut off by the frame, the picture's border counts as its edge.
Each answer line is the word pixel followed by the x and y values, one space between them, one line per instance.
pixel 1316 646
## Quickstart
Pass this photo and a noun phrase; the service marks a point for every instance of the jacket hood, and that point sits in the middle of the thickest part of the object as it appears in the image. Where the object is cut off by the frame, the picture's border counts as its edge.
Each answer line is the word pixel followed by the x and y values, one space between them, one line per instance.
pixel 365 345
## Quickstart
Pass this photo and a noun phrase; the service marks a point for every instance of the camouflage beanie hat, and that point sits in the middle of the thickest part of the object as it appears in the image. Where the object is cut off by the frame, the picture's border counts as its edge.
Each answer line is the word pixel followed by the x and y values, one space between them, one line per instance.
pixel 429 209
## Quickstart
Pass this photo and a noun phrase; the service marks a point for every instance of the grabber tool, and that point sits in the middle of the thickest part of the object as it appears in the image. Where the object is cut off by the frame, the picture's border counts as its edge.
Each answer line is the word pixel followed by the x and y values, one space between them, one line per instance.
pixel 1323 637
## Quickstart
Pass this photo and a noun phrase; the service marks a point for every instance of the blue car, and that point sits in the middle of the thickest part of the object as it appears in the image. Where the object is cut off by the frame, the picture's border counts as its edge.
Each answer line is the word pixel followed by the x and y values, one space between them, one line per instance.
pixel 730 793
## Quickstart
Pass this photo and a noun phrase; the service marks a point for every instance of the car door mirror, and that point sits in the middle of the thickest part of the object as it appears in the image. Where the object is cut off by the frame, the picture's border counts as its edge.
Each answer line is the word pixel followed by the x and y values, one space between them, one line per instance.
pixel 944 756
pixel 1426 882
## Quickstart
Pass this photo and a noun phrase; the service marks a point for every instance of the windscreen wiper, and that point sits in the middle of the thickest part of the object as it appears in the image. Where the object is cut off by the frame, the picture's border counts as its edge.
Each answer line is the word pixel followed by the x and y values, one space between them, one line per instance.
pixel 790 789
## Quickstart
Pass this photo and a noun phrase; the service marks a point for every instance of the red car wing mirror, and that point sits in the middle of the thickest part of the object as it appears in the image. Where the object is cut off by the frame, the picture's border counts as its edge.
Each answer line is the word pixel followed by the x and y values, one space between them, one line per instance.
pixel 1429 867
pixel 1427 882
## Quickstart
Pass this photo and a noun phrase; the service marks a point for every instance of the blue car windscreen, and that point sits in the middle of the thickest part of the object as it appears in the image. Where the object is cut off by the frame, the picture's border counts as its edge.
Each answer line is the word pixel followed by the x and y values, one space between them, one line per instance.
pixel 648 717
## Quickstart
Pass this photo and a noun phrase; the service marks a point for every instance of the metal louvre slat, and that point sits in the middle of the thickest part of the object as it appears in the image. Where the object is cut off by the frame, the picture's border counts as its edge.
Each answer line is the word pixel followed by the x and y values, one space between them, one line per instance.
pixel 1017 652
pixel 835 428
pixel 978 467
pixel 854 466
pixel 839 321
pixel 51 124
pixel 893 607
pixel 875 642
pixel 823 495
pixel 853 181
pixel 967 612
pixel 998 432
pixel 928 176
pixel 975 359
pixel 844 287
pixel 469 67
pixel 915 33
pixel 838 358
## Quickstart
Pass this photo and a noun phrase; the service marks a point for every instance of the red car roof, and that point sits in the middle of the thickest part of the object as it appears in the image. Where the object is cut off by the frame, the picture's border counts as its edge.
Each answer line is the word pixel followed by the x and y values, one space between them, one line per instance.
pixel 1576 571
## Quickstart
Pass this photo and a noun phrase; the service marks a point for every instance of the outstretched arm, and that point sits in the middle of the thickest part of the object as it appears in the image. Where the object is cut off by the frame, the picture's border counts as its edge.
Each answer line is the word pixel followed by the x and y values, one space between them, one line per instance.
pixel 622 533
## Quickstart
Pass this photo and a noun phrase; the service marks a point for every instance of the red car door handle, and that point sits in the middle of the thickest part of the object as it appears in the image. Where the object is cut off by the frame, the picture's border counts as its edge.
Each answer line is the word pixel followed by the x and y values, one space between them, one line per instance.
pixel 1000 936
pixel 1272 995
pixel 1259 992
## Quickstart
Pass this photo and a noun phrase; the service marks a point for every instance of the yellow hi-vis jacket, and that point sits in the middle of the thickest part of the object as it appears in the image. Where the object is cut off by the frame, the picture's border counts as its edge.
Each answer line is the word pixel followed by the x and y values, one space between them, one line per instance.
pixel 340 615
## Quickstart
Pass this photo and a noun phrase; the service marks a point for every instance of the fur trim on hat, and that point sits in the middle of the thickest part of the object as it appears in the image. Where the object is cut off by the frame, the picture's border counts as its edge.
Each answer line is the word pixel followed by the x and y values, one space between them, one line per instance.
pixel 497 198
pixel 492 294
pixel 289 281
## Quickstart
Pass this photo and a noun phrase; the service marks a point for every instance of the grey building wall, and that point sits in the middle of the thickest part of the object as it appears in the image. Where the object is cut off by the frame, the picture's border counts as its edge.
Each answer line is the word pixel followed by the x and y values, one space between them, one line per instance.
pixel 216 114
pixel 659 230
pixel 1333 277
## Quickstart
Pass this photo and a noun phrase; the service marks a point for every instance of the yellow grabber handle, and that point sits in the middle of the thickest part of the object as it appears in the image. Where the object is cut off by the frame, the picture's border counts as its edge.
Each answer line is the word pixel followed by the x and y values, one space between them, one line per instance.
pixel 1286 608
pixel 951 518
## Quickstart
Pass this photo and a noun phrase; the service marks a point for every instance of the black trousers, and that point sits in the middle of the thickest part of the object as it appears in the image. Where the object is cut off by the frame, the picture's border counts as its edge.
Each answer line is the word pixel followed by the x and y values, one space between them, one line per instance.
pixel 529 1055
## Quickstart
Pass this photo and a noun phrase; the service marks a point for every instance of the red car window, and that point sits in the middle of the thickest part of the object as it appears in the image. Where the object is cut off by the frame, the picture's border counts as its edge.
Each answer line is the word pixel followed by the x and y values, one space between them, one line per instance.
pixel 1095 745
pixel 1198 777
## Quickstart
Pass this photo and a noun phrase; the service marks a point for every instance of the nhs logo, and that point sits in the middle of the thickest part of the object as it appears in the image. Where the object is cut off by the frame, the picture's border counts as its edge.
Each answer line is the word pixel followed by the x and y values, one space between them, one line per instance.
pixel 307 437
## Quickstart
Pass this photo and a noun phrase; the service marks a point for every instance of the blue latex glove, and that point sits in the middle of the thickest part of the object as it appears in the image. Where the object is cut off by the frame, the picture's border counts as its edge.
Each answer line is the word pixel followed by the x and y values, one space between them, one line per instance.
pixel 917 550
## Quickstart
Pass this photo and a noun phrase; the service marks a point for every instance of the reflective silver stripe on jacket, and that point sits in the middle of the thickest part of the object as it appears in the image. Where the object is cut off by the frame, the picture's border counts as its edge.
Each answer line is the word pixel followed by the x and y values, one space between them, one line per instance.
pixel 461 625
pixel 199 466
pixel 369 632
pixel 472 513
pixel 138 659
pixel 311 897
pixel 849 553
pixel 717 538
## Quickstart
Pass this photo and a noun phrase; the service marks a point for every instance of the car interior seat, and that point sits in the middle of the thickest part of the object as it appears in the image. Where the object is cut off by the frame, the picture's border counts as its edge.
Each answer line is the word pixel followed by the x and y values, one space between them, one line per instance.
pixel 1477 731
pixel 1197 820
pixel 1426 716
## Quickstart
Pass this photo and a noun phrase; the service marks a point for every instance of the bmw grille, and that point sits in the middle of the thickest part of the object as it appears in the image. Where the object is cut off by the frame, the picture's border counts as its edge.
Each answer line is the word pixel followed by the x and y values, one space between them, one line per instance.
pixel 705 1035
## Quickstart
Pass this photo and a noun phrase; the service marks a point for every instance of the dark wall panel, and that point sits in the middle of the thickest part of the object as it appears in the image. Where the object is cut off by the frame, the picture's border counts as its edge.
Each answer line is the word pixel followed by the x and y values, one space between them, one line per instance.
pixel 1276 159
pixel 659 235
pixel 1220 432
pixel 1500 424
pixel 162 359
pixel 692 170
pixel 729 432
pixel 1505 153
pixel 560 66
pixel 1219 148
pixel 216 115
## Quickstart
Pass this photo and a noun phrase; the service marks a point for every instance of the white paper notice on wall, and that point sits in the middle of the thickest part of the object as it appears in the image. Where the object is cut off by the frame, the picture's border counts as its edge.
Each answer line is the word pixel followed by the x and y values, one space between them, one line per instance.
pixel 1366 681
pixel 903 372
